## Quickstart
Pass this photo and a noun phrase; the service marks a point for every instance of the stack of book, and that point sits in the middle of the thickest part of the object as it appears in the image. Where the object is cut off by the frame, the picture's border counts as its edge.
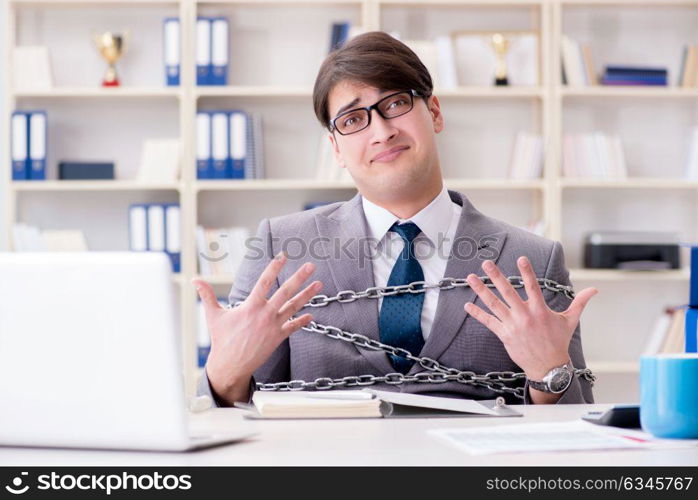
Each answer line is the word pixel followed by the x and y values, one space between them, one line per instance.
pixel 593 155
pixel 27 238
pixel 28 145
pixel 634 75
pixel 688 73
pixel 526 157
pixel 220 250
pixel 577 64
pixel 155 227
pixel 229 145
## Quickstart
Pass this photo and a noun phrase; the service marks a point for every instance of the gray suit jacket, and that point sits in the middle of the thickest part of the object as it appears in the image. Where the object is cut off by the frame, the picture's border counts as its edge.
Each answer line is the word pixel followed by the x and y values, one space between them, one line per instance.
pixel 332 236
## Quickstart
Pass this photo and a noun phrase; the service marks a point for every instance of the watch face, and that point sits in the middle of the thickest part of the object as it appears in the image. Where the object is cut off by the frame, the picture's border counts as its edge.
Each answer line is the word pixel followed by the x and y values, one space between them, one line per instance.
pixel 560 380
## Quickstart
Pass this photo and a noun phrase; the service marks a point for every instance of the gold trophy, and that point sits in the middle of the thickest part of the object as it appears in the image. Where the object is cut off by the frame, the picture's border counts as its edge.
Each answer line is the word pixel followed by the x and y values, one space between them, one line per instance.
pixel 111 47
pixel 501 45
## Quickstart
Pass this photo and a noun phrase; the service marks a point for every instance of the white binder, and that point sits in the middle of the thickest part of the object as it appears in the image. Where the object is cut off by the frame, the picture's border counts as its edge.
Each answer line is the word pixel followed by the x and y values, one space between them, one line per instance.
pixel 203 51
pixel 156 228
pixel 172 51
pixel 19 146
pixel 219 51
pixel 203 145
pixel 37 145
pixel 219 144
pixel 138 228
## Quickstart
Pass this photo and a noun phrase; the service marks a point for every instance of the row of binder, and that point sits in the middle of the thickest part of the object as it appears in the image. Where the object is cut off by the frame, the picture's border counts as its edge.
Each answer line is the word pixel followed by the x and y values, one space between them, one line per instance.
pixel 229 145
pixel 155 227
pixel 28 145
pixel 211 51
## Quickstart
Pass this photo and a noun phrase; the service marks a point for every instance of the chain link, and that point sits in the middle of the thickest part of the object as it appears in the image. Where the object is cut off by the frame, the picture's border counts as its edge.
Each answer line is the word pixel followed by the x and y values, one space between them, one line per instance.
pixel 436 373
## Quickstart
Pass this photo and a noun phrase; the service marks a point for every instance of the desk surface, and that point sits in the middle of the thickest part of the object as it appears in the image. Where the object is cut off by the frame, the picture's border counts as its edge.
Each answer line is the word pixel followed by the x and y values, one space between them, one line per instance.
pixel 352 442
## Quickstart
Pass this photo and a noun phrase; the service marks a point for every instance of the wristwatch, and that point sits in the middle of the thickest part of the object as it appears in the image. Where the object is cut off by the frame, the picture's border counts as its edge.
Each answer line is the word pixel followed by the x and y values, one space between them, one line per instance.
pixel 556 380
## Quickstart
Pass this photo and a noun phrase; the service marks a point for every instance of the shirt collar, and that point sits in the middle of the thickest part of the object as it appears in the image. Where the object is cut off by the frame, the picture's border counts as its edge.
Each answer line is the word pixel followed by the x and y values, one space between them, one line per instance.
pixel 433 220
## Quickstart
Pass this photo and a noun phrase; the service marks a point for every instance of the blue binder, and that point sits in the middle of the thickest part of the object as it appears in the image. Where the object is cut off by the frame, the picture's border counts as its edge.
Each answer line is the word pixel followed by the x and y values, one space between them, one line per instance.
pixel 172 50
pixel 691 329
pixel 220 150
pixel 237 139
pixel 693 292
pixel 38 138
pixel 203 145
pixel 219 51
pixel 20 146
pixel 203 51
pixel 173 241
pixel 138 227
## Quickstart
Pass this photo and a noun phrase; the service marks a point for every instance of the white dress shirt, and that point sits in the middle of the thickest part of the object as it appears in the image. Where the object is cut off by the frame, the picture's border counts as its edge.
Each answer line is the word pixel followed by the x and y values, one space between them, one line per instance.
pixel 438 222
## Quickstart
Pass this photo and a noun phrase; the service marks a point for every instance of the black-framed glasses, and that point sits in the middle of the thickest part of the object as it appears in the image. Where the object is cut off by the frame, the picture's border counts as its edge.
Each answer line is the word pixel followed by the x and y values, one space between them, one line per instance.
pixel 391 106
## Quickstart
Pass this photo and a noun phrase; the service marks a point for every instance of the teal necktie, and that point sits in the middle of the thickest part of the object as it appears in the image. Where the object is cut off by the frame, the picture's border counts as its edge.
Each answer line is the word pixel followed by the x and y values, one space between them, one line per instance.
pixel 401 315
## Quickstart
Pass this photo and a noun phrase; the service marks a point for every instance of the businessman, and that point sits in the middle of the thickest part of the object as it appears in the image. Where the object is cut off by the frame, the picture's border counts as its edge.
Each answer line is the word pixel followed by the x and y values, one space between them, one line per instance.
pixel 375 98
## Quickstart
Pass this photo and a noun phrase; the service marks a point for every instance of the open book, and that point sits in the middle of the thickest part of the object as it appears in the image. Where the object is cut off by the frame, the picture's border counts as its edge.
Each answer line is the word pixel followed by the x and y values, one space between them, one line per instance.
pixel 368 403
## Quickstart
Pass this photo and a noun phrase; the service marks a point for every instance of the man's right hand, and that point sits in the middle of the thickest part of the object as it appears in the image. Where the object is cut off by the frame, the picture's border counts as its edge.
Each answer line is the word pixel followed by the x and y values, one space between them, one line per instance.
pixel 243 338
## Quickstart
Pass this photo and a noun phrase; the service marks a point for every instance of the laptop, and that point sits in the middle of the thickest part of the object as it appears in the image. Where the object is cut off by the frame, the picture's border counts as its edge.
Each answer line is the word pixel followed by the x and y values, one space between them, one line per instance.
pixel 90 353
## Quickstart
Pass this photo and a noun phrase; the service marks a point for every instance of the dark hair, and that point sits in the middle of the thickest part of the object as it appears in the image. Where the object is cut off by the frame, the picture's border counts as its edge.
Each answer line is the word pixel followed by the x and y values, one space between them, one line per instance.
pixel 376 59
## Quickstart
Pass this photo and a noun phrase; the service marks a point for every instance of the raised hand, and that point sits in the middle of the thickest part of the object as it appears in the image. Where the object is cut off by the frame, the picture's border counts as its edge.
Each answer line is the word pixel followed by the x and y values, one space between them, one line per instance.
pixel 243 338
pixel 536 338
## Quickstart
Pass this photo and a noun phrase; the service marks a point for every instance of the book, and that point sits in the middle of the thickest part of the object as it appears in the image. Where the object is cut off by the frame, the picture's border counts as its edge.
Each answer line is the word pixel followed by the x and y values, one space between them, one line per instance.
pixel 527 157
pixel 573 63
pixel 595 155
pixel 31 68
pixel 28 238
pixel 367 403
pixel 160 161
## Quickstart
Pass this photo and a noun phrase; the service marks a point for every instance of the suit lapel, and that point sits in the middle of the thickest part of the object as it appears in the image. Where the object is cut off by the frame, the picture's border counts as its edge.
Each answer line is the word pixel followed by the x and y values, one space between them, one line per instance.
pixel 474 230
pixel 352 269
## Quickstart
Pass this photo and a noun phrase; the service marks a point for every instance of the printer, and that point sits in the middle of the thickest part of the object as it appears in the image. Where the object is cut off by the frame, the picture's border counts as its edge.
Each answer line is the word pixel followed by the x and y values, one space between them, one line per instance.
pixel 631 250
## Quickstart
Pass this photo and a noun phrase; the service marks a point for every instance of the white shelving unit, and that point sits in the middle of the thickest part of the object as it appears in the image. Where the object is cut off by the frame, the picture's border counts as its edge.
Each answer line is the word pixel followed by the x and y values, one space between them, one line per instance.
pixel 267 76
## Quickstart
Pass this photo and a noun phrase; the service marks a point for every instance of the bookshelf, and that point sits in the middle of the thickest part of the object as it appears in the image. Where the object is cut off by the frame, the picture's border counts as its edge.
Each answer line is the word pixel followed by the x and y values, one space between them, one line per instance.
pixel 481 123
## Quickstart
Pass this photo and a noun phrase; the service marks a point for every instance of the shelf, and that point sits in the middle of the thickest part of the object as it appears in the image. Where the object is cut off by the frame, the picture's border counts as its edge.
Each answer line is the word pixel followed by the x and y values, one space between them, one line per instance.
pixel 280 2
pixel 90 3
pixel 627 91
pixel 464 3
pixel 311 184
pixel 290 91
pixel 630 3
pixel 101 92
pixel 271 184
pixel 625 275
pixel 496 92
pixel 629 183
pixel 494 184
pixel 253 91
pixel 27 186
pixel 609 367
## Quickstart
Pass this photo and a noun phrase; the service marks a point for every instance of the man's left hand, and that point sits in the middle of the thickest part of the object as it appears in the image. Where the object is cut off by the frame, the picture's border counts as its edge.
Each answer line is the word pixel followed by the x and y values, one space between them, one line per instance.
pixel 536 338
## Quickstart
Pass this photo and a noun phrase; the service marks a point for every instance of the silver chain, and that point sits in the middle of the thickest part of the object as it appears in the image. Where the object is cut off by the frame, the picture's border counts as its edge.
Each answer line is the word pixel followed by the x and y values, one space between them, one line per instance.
pixel 436 372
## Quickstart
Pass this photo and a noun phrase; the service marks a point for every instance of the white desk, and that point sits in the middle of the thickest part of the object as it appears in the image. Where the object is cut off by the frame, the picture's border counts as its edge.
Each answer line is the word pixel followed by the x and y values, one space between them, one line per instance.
pixel 352 442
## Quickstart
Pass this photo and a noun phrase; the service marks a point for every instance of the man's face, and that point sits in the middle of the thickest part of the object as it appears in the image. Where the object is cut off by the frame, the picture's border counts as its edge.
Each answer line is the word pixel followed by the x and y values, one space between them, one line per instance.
pixel 390 158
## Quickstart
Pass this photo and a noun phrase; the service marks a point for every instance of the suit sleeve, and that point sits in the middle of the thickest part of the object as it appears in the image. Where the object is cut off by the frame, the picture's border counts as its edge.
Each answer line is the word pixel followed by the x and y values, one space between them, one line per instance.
pixel 259 253
pixel 579 391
